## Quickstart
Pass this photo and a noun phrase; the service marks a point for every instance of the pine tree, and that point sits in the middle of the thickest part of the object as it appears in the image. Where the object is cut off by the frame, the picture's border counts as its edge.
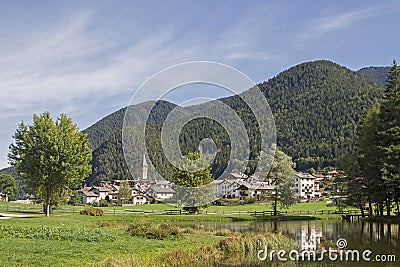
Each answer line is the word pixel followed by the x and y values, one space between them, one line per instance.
pixel 389 136
pixel 370 159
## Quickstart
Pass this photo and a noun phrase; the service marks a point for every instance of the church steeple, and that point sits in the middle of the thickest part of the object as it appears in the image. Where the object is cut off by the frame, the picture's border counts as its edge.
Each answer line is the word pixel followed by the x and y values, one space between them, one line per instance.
pixel 144 168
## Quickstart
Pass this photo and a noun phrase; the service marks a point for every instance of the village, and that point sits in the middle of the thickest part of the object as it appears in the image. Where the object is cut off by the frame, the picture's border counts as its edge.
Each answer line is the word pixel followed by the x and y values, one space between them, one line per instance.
pixel 235 186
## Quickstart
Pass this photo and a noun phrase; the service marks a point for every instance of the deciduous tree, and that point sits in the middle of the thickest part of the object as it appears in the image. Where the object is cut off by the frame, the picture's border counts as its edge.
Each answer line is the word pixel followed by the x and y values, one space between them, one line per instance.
pixel 8 185
pixel 124 190
pixel 50 155
pixel 282 175
pixel 194 173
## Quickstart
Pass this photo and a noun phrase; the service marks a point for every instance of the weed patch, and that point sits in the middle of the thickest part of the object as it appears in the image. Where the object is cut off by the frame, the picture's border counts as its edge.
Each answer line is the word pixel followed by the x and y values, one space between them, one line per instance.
pixel 54 233
pixel 153 231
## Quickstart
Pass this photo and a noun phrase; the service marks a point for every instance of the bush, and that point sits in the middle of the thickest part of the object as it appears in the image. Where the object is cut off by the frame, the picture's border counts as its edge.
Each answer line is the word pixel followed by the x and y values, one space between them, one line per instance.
pixel 103 203
pixel 92 212
pixel 153 231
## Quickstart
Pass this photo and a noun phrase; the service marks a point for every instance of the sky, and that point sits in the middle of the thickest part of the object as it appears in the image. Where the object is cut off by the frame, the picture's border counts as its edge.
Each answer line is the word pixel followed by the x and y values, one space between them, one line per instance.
pixel 87 58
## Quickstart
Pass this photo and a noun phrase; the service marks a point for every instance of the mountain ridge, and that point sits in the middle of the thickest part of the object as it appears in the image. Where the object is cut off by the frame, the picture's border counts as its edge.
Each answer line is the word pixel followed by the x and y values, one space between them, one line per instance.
pixel 317 105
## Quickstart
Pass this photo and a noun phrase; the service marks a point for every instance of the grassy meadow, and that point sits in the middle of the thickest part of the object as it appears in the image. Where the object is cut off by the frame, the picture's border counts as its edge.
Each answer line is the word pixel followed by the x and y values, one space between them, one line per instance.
pixel 71 239
pixel 132 236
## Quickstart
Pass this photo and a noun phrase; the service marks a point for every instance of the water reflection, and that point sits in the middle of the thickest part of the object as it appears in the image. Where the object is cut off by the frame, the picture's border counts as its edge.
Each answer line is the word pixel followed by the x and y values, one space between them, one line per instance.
pixel 380 238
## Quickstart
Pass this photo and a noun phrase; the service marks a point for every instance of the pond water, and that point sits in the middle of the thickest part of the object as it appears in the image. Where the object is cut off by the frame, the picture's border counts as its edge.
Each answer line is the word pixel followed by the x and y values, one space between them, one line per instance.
pixel 381 239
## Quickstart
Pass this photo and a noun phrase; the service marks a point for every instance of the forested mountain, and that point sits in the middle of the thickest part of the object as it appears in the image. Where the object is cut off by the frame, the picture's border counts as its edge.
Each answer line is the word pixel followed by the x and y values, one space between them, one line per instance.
pixel 317 107
pixel 106 139
pixel 101 130
pixel 376 74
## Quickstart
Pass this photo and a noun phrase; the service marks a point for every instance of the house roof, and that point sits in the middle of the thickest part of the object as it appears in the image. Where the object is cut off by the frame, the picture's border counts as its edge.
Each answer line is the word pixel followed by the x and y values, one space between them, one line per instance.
pixel 217 182
pixel 162 182
pixel 236 176
pixel 89 193
pixel 162 189
pixel 101 188
pixel 266 187
pixel 304 175
pixel 247 185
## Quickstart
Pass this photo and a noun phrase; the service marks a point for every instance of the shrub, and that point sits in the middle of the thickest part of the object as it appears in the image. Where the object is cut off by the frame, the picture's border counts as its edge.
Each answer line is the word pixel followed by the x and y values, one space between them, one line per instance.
pixel 103 203
pixel 92 212
pixel 223 232
pixel 153 231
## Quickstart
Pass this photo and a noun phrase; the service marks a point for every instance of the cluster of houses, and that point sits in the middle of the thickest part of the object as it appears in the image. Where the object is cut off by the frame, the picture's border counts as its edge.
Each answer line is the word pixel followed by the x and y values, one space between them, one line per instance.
pixel 234 186
pixel 140 191
pixel 240 186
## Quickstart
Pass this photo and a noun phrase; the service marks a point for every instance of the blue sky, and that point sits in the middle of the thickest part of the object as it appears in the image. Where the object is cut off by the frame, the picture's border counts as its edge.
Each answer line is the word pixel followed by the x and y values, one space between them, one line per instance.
pixel 87 58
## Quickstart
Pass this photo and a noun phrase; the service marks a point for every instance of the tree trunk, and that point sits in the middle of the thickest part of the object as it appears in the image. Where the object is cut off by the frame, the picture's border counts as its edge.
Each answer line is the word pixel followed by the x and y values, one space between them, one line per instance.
pixel 388 206
pixel 362 211
pixel 381 208
pixel 47 209
pixel 275 203
pixel 370 206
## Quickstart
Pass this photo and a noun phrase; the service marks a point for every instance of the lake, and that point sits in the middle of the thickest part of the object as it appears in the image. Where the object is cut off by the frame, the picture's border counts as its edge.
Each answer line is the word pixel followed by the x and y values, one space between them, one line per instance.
pixel 318 235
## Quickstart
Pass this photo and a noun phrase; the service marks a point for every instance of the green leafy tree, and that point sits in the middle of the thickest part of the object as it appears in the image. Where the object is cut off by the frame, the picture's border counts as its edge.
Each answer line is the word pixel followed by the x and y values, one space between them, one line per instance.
pixel 195 173
pixel 8 185
pixel 74 198
pixel 50 155
pixel 124 190
pixel 282 175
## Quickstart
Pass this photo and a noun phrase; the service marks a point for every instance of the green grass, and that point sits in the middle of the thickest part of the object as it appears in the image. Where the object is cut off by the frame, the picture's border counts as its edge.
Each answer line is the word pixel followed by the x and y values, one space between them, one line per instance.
pixel 40 241
pixel 305 206
pixel 35 241
pixel 15 250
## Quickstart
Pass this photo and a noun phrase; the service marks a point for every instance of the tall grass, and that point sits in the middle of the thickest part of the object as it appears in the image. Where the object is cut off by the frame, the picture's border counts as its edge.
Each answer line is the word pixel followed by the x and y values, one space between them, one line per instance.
pixel 153 231
pixel 230 248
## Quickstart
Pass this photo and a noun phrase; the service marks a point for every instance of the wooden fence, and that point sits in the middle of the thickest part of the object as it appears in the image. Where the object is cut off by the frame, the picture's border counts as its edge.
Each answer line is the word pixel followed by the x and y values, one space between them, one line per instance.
pixel 25 209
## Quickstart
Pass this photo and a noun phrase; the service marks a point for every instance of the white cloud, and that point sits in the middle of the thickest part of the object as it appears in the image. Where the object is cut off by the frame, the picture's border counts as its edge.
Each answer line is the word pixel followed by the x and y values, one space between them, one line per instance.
pixel 329 23
pixel 66 63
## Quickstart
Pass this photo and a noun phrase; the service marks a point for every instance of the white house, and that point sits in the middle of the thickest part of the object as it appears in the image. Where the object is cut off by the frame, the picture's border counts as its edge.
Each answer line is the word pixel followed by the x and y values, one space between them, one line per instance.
pixel 245 190
pixel 137 197
pixel 160 192
pixel 264 189
pixel 225 188
pixel 87 196
pixel 306 186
